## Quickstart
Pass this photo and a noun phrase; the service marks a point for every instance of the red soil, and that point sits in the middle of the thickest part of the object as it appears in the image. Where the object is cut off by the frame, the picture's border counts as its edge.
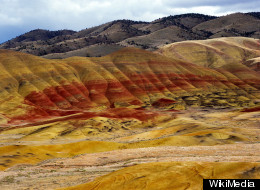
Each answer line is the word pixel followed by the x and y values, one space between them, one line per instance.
pixel 255 109
pixel 36 117
pixel 163 102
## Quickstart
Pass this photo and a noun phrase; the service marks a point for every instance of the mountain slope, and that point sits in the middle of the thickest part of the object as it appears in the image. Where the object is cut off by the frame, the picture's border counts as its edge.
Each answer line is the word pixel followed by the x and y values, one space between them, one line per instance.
pixel 237 24
pixel 97 41
pixel 36 35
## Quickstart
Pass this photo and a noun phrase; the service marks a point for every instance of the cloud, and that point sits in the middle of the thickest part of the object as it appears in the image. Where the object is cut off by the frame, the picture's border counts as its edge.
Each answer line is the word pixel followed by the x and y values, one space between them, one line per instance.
pixel 19 16
pixel 221 3
pixel 9 20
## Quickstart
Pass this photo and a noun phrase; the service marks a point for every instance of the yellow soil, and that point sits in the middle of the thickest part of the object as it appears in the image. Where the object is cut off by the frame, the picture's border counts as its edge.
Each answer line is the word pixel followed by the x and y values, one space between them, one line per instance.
pixel 216 129
pixel 18 154
pixel 170 175
pixel 196 135
pixel 213 53
pixel 178 132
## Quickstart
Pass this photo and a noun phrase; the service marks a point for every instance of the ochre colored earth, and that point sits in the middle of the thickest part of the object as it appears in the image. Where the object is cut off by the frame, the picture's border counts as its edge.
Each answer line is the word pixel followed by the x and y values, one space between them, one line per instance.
pixel 131 119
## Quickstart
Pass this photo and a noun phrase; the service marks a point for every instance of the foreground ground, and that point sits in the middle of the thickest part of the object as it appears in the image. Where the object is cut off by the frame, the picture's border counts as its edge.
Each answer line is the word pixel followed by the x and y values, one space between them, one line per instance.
pixel 189 145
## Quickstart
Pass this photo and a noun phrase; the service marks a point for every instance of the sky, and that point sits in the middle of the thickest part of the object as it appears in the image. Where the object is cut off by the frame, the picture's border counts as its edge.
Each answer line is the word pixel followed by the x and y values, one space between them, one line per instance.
pixel 21 16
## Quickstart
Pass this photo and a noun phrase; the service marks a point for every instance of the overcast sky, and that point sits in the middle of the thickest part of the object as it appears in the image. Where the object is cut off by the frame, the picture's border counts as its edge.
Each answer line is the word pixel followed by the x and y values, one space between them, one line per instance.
pixel 20 16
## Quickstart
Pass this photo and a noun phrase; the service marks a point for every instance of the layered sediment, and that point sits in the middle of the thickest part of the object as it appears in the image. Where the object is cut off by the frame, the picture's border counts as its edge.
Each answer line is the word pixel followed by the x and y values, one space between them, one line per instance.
pixel 34 87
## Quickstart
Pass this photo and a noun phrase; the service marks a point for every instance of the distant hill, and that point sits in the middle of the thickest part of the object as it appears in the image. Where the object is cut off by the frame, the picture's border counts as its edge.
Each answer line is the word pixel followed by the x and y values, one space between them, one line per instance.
pixel 112 36
pixel 39 35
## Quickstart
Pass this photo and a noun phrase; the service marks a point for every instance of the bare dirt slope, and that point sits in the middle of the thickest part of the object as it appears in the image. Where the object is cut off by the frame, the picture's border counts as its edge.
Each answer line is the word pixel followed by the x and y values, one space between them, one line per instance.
pixel 129 83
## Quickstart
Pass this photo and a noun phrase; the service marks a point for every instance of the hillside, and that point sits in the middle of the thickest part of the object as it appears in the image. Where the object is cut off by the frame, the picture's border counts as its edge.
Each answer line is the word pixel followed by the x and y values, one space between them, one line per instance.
pixel 184 111
pixel 146 176
pixel 109 37
pixel 34 87
pixel 214 53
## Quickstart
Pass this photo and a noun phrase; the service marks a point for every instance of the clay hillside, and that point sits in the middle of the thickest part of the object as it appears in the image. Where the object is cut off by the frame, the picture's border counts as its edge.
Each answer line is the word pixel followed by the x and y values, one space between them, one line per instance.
pixel 187 111
pixel 206 73
pixel 109 37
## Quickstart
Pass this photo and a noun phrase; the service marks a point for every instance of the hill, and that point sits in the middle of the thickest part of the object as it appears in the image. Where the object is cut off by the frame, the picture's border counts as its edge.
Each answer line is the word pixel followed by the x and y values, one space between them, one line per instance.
pixel 214 53
pixel 109 37
pixel 34 88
